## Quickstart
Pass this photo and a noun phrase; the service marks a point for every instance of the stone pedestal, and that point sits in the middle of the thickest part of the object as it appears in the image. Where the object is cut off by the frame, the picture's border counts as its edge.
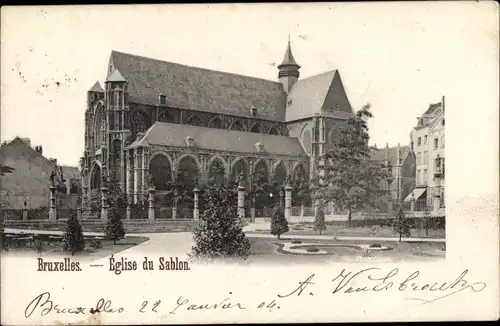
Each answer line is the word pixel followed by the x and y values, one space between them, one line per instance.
pixel 79 213
pixel 302 210
pixel 241 201
pixel 151 210
pixel 104 203
pixel 196 211
pixel 252 209
pixel 25 214
pixel 52 207
pixel 390 206
pixel 174 209
pixel 412 205
pixel 288 201
pixel 437 201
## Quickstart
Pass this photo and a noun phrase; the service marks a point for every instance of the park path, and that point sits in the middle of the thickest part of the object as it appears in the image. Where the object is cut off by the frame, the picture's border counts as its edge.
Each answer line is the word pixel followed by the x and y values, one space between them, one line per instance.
pixel 343 238
pixel 51 232
pixel 175 244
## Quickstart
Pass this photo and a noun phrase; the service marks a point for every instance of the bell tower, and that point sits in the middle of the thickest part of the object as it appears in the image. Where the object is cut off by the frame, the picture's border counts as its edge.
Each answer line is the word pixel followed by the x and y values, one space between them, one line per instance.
pixel 288 69
pixel 117 110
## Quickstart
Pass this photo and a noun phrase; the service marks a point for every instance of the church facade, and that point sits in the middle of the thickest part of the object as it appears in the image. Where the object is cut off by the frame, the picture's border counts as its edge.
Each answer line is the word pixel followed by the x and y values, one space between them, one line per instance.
pixel 154 118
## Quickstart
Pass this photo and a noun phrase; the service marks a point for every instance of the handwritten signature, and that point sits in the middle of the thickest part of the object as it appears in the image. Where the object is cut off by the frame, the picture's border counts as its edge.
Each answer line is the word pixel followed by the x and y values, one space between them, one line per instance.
pixel 346 282
pixel 46 306
pixel 377 281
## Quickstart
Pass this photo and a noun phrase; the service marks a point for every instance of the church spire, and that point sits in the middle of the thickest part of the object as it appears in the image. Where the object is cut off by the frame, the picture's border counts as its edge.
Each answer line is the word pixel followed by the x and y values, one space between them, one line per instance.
pixel 288 69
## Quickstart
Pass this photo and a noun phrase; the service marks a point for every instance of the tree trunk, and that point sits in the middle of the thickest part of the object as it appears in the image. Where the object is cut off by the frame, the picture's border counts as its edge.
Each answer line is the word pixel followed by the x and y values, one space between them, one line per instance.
pixel 279 236
pixel 349 218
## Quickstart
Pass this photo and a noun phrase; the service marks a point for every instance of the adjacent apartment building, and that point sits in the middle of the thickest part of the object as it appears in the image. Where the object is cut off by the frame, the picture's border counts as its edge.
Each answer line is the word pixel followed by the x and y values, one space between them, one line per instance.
pixel 401 162
pixel 428 144
pixel 27 186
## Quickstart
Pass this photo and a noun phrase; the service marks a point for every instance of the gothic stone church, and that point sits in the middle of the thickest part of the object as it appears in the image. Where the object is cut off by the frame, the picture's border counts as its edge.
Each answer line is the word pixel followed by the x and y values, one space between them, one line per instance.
pixel 155 117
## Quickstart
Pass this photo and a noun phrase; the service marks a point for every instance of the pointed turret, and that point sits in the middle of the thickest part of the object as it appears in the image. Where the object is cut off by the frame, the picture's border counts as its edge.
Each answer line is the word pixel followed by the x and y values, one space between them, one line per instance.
pixel 116 77
pixel 288 69
pixel 97 88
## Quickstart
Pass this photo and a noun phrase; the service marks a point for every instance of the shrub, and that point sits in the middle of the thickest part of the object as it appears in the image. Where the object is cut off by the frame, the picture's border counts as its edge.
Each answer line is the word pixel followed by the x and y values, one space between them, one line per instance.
pixel 279 224
pixel 219 233
pixel 40 245
pixel 296 241
pixel 114 229
pixel 313 249
pixel 73 236
pixel 96 243
pixel 375 245
pixel 402 225
pixel 319 219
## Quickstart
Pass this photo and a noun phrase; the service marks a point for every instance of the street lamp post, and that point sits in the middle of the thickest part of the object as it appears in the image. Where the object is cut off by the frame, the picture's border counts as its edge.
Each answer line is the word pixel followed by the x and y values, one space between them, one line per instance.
pixel 390 179
pixel 437 193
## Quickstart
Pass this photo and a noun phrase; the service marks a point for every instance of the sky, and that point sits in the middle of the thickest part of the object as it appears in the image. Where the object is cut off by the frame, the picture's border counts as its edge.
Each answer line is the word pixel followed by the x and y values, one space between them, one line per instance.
pixel 399 57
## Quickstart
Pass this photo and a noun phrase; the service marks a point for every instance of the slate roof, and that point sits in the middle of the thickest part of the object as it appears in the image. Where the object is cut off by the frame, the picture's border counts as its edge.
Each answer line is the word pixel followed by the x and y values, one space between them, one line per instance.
pixel 96 88
pixel 170 134
pixel 199 89
pixel 288 59
pixel 323 93
pixel 70 171
pixel 432 108
pixel 392 154
pixel 115 76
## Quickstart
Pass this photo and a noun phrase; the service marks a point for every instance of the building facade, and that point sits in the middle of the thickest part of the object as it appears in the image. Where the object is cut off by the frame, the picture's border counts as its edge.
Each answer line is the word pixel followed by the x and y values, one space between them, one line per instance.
pixel 428 144
pixel 27 186
pixel 400 162
pixel 155 118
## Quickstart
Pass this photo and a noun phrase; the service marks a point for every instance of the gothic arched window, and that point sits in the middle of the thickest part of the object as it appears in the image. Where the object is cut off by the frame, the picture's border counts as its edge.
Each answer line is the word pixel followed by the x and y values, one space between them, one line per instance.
pixel 274 131
pixel 216 172
pixel 237 126
pixel 137 122
pixel 165 117
pixel 99 133
pixel 161 171
pixel 256 128
pixel 194 121
pixel 239 167
pixel 307 141
pixel 215 123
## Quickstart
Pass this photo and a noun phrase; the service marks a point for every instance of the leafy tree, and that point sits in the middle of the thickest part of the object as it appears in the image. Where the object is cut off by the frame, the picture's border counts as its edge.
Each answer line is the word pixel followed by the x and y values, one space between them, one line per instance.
pixel 114 227
pixel 402 225
pixel 219 233
pixel 319 219
pixel 73 237
pixel 353 180
pixel 279 224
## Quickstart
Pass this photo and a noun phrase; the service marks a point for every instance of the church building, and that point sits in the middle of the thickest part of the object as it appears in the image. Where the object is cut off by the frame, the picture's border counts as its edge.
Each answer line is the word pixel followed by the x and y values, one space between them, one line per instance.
pixel 154 118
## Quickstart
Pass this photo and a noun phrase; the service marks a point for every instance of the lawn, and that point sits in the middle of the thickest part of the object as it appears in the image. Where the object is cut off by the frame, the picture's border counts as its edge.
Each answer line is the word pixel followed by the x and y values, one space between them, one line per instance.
pixel 268 251
pixel 307 228
pixel 55 248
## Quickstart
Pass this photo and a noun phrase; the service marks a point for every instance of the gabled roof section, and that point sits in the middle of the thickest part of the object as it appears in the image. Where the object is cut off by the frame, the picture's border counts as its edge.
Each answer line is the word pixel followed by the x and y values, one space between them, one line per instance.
pixel 432 108
pixel 170 134
pixel 24 150
pixel 323 93
pixel 116 76
pixel 199 89
pixel 379 154
pixel 97 88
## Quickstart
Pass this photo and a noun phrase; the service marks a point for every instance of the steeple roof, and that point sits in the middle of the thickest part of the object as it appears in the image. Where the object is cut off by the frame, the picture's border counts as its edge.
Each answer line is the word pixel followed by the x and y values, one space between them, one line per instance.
pixel 288 60
pixel 116 76
pixel 96 88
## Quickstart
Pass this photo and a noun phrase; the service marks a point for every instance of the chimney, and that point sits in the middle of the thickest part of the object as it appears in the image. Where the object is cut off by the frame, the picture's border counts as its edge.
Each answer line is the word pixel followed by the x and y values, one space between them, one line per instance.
pixel 39 149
